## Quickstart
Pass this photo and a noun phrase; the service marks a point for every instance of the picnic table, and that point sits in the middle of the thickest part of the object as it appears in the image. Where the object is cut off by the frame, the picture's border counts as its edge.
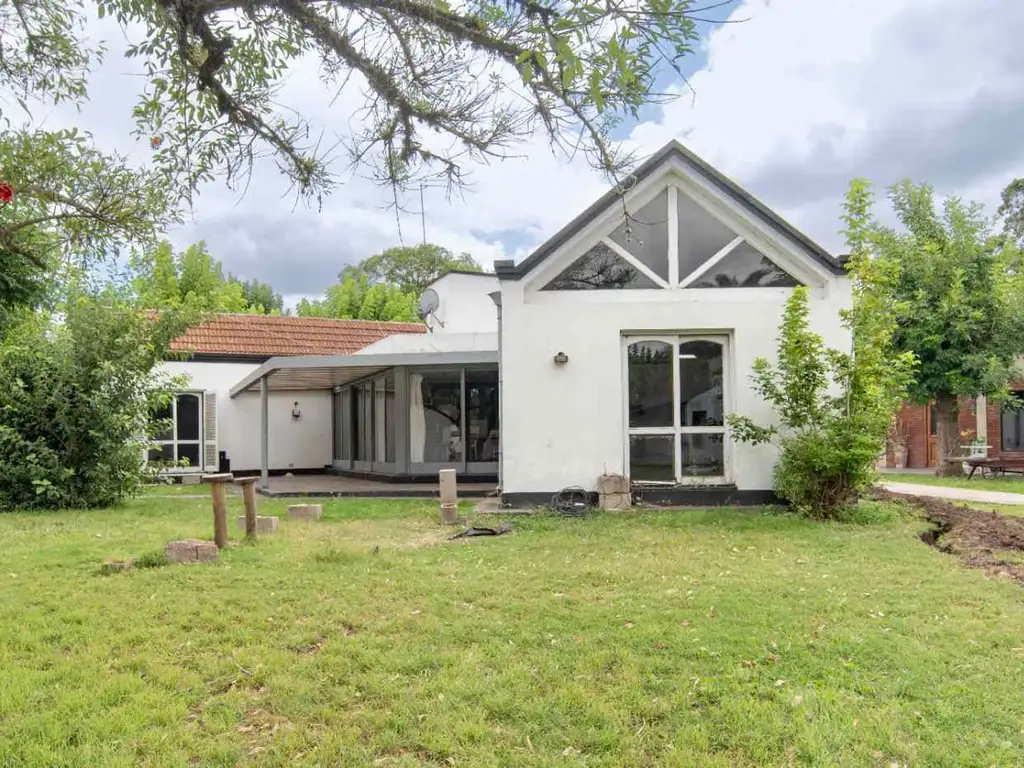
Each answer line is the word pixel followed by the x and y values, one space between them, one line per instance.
pixel 994 466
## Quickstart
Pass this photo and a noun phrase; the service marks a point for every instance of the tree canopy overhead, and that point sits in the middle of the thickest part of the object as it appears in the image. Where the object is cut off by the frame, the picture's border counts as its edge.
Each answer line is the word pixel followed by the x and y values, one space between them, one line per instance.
pixel 958 298
pixel 443 84
pixel 412 268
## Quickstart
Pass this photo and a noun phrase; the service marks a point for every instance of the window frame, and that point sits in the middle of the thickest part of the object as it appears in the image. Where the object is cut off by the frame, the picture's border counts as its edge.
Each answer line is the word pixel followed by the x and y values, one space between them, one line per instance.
pixel 175 442
pixel 600 234
pixel 677 430
pixel 1019 415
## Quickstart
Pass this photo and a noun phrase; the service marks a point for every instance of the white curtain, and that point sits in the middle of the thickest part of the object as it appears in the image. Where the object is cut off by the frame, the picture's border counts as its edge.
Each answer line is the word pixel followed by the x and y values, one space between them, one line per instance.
pixel 417 419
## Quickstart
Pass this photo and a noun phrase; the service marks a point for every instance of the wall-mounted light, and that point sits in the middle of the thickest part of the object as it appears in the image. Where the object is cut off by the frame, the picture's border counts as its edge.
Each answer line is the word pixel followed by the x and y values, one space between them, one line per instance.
pixel 296 413
pixel 561 358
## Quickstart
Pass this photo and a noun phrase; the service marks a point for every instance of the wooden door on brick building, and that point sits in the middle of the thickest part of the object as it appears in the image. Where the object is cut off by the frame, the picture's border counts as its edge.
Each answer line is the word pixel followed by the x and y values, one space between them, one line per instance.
pixel 931 449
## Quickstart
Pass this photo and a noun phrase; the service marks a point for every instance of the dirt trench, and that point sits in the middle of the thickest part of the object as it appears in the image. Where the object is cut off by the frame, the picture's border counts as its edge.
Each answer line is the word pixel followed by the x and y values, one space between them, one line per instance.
pixel 979 539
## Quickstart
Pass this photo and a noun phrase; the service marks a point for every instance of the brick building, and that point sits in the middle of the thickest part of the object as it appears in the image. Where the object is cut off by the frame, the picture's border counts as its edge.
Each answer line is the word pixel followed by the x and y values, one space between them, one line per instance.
pixel 1001 428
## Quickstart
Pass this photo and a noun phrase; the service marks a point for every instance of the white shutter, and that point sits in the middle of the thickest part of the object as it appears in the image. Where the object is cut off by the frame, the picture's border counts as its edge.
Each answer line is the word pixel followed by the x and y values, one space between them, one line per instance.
pixel 211 460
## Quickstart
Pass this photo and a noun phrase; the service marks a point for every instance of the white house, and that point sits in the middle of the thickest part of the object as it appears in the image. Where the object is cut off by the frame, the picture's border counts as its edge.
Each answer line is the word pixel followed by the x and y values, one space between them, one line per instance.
pixel 207 422
pixel 617 347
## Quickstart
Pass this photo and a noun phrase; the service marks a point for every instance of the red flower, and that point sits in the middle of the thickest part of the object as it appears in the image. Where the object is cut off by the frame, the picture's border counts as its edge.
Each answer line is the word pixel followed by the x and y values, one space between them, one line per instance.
pixel 155 142
pixel 6 192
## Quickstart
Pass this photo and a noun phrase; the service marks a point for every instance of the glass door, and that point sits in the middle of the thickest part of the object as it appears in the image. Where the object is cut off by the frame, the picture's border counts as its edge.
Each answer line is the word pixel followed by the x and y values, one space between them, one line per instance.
pixel 676 409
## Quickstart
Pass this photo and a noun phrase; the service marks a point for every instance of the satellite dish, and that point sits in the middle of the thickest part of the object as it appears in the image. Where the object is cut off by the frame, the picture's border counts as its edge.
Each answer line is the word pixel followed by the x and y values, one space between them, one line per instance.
pixel 429 302
pixel 427 306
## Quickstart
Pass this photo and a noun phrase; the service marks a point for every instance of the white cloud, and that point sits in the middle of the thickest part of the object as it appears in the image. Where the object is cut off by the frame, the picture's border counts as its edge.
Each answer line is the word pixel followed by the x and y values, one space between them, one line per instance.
pixel 808 94
pixel 792 104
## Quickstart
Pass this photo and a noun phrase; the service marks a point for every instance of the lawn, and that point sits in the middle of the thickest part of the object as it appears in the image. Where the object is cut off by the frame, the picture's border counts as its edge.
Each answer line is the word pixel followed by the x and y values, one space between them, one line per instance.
pixel 977 483
pixel 689 638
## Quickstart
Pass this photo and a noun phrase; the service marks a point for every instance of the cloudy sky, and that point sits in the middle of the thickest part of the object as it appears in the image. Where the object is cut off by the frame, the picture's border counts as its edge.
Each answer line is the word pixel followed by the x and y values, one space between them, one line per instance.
pixel 792 103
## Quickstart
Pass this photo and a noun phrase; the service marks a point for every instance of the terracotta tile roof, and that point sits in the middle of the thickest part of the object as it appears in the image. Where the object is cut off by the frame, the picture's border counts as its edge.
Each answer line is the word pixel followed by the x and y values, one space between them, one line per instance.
pixel 272 335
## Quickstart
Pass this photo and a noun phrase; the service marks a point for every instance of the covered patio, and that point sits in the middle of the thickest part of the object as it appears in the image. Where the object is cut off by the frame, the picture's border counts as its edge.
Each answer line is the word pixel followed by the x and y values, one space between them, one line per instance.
pixel 397 419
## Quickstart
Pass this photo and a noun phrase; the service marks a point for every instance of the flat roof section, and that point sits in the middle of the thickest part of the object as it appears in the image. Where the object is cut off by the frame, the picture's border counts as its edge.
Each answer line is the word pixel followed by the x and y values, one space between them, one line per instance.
pixel 328 371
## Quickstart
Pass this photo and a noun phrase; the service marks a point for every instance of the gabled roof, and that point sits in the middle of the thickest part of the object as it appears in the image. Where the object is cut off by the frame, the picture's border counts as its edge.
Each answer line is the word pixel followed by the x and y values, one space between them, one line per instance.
pixel 259 337
pixel 509 270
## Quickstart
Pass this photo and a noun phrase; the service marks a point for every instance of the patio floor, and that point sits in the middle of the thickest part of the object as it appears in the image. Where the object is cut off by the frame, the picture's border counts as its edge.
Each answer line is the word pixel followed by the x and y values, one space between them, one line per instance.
pixel 336 485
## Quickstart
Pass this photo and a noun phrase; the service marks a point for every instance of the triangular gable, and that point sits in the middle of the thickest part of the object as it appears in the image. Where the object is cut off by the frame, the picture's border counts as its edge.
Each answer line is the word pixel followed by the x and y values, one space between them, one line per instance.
pixel 644 223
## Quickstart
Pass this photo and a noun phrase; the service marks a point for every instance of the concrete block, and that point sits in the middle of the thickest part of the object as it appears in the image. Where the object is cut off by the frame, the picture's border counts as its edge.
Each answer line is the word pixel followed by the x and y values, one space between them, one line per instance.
pixel 449 513
pixel 615 500
pixel 612 484
pixel 305 512
pixel 264 523
pixel 191 479
pixel 449 487
pixel 191 551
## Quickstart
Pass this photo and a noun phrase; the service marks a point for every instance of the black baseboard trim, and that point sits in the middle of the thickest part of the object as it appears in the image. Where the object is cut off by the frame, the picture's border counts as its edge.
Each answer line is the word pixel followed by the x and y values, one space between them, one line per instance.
pixel 385 477
pixel 668 496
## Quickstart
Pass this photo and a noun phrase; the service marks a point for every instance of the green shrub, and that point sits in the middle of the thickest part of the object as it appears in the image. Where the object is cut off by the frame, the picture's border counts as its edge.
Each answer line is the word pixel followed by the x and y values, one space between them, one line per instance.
pixel 834 407
pixel 76 402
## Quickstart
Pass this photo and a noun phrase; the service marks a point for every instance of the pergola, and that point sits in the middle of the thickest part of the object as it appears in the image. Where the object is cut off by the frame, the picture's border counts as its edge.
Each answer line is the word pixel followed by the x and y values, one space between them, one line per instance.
pixel 327 372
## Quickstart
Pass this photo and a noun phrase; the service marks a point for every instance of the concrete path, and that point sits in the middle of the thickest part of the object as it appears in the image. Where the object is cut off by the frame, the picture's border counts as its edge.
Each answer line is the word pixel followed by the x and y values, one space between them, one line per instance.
pixel 955 494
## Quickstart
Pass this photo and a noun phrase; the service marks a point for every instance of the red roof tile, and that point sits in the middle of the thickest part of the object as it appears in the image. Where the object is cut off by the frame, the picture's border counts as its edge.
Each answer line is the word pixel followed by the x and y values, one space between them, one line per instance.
pixel 272 335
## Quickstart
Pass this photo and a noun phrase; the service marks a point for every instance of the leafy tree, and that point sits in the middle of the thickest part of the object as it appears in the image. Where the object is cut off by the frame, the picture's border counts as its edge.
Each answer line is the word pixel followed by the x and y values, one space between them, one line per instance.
pixel 413 268
pixel 444 83
pixel 259 297
pixel 1012 210
pixel 63 203
pixel 834 406
pixel 79 390
pixel 191 279
pixel 959 297
pixel 355 297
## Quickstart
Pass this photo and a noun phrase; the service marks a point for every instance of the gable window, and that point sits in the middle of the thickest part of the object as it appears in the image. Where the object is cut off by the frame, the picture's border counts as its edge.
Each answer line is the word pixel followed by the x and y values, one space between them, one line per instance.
pixel 671 241
pixel 676 409
pixel 600 268
pixel 1011 422
pixel 182 440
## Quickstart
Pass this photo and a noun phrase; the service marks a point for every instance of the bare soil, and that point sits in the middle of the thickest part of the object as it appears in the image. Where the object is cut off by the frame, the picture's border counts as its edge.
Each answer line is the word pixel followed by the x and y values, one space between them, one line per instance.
pixel 979 539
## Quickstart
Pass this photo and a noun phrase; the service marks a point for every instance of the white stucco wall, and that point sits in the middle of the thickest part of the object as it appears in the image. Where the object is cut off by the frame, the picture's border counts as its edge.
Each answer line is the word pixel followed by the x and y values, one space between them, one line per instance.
pixel 419 343
pixel 294 444
pixel 465 306
pixel 563 425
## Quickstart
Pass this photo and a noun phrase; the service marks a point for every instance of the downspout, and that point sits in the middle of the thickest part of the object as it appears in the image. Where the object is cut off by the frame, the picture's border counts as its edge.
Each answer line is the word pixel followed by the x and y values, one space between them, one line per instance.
pixel 496 298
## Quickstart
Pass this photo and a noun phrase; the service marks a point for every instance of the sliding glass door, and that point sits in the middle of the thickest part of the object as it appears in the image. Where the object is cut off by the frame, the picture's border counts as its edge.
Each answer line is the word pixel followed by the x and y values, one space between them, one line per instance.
pixel 419 421
pixel 453 420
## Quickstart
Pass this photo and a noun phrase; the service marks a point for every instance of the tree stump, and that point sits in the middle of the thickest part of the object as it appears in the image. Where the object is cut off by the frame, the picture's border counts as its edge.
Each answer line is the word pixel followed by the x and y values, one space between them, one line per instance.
pixel 218 490
pixel 249 497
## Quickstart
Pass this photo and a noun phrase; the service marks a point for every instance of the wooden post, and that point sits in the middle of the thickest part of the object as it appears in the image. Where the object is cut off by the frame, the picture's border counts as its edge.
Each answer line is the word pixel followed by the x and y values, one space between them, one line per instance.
pixel 220 507
pixel 249 497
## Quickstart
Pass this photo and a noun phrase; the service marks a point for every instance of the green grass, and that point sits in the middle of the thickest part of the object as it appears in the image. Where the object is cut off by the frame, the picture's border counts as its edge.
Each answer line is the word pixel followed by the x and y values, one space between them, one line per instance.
pixel 977 483
pixel 676 638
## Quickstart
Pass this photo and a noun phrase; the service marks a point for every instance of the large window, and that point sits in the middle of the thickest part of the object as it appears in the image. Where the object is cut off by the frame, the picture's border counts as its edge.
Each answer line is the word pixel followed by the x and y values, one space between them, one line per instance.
pixel 482 415
pixel 640 254
pixel 1012 426
pixel 181 442
pixel 435 417
pixel 453 417
pixel 447 418
pixel 676 409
